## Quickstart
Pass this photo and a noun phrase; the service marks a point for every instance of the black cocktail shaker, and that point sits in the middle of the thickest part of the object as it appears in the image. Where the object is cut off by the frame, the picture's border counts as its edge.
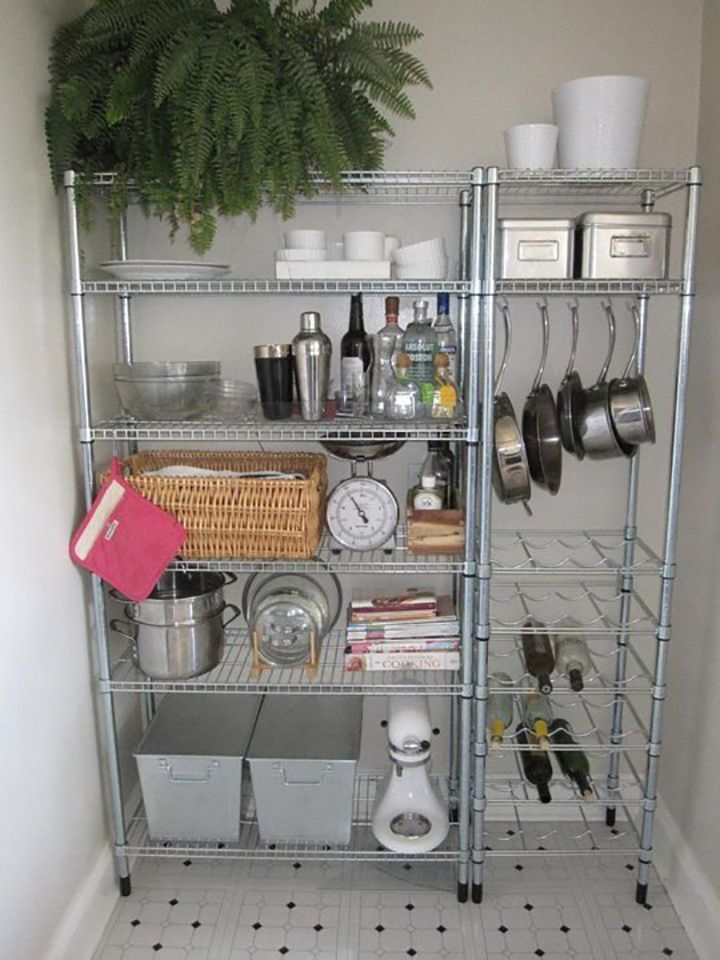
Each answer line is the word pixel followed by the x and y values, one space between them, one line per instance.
pixel 274 367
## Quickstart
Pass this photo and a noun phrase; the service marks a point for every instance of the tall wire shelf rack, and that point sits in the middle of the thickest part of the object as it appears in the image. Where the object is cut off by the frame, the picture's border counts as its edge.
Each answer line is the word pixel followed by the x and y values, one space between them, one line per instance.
pixel 502 576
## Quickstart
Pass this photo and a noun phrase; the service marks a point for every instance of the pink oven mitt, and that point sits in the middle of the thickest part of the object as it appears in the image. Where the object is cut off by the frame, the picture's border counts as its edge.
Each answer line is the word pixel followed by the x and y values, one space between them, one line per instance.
pixel 126 539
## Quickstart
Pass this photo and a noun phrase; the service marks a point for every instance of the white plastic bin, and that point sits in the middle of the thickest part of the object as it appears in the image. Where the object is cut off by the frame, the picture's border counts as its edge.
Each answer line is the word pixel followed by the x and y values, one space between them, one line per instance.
pixel 190 765
pixel 303 757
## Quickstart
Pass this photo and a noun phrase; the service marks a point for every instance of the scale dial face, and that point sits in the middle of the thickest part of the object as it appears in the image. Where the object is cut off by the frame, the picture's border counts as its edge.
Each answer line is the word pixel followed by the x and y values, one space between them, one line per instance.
pixel 362 513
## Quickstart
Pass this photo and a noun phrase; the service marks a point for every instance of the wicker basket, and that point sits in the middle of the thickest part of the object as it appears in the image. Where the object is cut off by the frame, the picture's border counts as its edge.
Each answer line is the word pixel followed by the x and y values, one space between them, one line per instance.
pixel 233 516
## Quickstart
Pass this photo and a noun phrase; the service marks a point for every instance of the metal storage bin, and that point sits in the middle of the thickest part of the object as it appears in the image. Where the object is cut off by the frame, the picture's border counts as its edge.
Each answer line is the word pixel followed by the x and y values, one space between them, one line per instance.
pixel 536 248
pixel 624 246
pixel 302 758
pixel 190 765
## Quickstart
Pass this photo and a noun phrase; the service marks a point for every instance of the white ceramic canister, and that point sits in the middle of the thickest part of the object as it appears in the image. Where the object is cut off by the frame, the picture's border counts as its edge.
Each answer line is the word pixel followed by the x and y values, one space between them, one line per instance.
pixel 531 146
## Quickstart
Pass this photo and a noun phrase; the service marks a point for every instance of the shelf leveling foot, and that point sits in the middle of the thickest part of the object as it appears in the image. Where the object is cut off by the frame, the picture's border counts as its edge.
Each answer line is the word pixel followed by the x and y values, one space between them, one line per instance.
pixel 125 886
pixel 641 891
pixel 477 893
pixel 462 892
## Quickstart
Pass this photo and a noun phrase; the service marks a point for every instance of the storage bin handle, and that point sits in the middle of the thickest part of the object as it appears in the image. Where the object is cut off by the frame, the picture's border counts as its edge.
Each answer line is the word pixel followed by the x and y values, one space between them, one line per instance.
pixel 301 783
pixel 187 777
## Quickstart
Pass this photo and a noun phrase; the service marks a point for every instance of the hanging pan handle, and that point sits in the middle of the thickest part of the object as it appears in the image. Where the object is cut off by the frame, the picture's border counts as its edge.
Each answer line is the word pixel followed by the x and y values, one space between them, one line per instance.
pixel 543 308
pixel 632 307
pixel 575 320
pixel 607 307
pixel 505 308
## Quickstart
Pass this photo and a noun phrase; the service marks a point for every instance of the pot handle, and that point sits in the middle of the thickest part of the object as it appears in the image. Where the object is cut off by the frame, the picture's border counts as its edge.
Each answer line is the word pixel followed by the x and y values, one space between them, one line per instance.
pixel 607 307
pixel 505 308
pixel 575 320
pixel 116 625
pixel 116 595
pixel 632 307
pixel 236 613
pixel 230 578
pixel 543 308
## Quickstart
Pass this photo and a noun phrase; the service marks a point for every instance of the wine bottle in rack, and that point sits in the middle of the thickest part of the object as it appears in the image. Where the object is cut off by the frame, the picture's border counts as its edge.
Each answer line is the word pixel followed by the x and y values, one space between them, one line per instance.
pixel 536 765
pixel 539 656
pixel 499 709
pixel 573 763
pixel 573 659
pixel 537 713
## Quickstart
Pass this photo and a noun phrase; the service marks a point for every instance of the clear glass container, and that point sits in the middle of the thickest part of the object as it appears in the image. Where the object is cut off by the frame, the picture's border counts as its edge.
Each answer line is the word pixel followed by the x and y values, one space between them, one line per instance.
pixel 445 395
pixel 404 397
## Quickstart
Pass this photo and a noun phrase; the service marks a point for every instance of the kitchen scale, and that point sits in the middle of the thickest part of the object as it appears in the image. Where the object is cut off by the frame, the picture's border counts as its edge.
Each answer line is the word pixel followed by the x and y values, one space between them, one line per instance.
pixel 362 512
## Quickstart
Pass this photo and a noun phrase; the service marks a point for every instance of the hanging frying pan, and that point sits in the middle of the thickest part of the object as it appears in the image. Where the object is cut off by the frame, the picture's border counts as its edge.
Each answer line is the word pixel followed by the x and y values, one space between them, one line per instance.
pixel 511 478
pixel 570 393
pixel 540 429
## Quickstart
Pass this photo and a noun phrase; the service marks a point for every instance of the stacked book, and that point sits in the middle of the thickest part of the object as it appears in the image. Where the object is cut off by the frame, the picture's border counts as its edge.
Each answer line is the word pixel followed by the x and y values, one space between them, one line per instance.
pixel 415 631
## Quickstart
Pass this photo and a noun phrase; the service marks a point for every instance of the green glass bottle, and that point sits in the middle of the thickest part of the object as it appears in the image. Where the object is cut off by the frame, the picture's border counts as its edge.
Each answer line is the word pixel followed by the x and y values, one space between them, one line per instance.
pixel 535 762
pixel 573 763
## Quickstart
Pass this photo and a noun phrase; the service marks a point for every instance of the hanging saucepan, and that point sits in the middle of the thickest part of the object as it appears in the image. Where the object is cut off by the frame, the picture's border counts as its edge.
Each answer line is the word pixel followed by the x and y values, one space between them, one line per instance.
pixel 540 429
pixel 511 478
pixel 286 612
pixel 570 393
pixel 630 406
pixel 594 423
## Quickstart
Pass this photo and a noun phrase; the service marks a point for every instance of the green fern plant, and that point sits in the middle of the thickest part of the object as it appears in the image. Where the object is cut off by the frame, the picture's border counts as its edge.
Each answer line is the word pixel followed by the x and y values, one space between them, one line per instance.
pixel 213 113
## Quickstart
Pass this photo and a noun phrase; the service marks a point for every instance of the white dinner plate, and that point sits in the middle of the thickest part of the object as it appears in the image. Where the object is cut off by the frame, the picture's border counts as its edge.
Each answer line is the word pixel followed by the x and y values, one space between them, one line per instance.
pixel 164 269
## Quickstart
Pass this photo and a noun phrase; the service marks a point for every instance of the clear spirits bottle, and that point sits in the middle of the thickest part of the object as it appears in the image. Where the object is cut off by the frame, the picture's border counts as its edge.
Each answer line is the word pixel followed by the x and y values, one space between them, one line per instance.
pixel 445 334
pixel 445 396
pixel 436 465
pixel 420 344
pixel 403 401
pixel 499 709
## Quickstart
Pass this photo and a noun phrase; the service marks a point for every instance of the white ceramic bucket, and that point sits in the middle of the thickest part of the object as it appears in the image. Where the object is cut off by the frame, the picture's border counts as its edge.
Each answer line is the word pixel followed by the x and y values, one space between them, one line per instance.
pixel 600 120
pixel 531 146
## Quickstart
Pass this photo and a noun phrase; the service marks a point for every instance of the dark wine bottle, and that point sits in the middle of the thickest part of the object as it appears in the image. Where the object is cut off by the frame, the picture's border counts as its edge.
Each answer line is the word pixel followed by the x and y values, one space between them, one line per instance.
pixel 539 657
pixel 355 354
pixel 573 763
pixel 536 765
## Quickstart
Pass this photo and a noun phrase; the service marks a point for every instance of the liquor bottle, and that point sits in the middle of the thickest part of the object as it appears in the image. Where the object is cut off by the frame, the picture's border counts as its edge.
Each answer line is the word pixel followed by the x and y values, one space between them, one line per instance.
pixel 355 354
pixel 499 709
pixel 387 344
pixel 391 335
pixel 445 396
pixel 426 496
pixel 436 465
pixel 539 658
pixel 573 659
pixel 573 763
pixel 445 334
pixel 403 401
pixel 536 764
pixel 420 344
pixel 536 711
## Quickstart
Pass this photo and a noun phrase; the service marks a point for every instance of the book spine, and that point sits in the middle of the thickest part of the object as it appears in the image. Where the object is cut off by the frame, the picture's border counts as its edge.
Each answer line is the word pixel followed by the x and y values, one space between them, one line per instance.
pixel 439 660
pixel 399 646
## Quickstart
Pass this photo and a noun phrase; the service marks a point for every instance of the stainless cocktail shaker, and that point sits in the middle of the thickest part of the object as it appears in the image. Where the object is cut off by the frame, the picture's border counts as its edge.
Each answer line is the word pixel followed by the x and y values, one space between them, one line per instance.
pixel 311 350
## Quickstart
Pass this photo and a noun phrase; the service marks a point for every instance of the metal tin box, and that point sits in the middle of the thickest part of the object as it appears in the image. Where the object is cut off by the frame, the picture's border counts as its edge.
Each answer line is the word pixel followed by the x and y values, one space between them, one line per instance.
pixel 190 765
pixel 624 246
pixel 536 248
pixel 302 759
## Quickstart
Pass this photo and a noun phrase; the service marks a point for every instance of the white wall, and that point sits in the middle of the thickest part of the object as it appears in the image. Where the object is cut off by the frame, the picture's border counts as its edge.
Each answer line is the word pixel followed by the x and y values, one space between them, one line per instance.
pixel 690 777
pixel 52 830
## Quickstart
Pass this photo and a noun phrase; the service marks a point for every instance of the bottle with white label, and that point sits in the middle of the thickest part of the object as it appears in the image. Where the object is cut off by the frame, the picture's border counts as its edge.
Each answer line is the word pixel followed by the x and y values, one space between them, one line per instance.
pixel 445 334
pixel 426 495
pixel 537 714
pixel 573 659
pixel 499 709
pixel 420 344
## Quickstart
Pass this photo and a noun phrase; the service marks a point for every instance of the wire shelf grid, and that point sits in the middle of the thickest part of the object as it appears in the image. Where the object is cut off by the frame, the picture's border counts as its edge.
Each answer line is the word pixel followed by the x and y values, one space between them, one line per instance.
pixel 638 677
pixel 362 846
pixel 587 287
pixel 597 183
pixel 397 560
pixel 585 608
pixel 294 429
pixel 235 675
pixel 265 286
pixel 519 837
pixel 572 553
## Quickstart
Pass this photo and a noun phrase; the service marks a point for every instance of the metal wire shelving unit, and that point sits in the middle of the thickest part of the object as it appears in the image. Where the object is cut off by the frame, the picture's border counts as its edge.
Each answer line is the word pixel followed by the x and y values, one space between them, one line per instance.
pixel 117 675
pixel 554 574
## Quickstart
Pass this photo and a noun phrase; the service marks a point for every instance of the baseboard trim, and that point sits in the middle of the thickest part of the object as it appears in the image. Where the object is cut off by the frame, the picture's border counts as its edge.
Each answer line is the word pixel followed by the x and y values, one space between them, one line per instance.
pixel 79 932
pixel 693 896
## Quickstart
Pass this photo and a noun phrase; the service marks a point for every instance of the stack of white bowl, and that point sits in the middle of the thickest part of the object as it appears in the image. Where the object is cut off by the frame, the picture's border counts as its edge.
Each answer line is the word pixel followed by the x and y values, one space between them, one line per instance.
pixel 422 261
pixel 303 245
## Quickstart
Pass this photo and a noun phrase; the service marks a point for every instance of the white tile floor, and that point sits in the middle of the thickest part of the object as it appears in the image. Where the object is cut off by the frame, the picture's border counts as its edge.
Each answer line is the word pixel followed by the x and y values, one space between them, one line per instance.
pixel 569 909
